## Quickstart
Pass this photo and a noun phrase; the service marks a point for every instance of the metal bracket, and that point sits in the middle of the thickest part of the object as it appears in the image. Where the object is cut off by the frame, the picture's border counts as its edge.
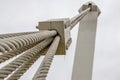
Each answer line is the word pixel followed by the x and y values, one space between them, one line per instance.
pixel 62 27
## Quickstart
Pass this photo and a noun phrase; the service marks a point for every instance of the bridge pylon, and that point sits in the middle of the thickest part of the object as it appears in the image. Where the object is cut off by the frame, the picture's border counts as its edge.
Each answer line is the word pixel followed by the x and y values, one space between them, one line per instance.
pixel 83 60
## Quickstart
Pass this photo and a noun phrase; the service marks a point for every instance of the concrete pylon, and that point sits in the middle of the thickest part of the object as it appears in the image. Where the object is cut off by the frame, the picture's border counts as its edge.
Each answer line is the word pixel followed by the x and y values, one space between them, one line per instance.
pixel 83 61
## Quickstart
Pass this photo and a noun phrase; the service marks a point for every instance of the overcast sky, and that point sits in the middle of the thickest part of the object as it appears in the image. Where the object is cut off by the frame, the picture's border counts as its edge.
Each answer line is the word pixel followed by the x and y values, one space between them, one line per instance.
pixel 23 15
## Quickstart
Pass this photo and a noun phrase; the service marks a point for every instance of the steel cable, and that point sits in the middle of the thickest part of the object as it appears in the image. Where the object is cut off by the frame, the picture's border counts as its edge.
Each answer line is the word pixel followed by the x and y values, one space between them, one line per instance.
pixel 10 54
pixel 45 65
pixel 13 43
pixel 20 71
pixel 78 17
pixel 9 68
pixel 2 36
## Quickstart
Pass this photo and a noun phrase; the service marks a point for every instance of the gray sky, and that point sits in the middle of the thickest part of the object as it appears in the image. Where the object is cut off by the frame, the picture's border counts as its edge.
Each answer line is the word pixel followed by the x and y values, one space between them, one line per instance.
pixel 23 15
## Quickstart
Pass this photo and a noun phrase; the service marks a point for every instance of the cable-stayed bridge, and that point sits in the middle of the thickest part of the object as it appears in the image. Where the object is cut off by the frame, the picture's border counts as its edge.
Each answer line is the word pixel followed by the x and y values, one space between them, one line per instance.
pixel 53 38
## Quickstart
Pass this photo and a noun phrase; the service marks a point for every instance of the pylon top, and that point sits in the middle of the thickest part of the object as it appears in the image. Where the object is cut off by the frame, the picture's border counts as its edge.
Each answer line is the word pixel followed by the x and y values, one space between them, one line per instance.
pixel 91 5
